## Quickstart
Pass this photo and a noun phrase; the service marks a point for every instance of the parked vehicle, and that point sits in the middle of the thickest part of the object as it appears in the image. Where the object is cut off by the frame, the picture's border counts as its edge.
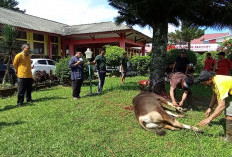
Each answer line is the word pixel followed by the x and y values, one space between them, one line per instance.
pixel 110 69
pixel 12 78
pixel 41 64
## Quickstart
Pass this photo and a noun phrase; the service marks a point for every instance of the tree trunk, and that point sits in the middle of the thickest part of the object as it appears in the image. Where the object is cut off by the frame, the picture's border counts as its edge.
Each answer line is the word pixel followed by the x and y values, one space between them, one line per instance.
pixel 158 59
pixel 7 72
pixel 189 45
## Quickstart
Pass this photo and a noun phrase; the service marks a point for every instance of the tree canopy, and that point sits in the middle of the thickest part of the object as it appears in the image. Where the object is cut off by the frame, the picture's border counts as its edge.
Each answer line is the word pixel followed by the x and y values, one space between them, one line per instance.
pixel 11 4
pixel 159 13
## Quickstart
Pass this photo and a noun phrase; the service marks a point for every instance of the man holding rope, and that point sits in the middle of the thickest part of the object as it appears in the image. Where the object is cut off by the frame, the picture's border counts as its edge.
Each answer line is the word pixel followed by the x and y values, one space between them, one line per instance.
pixel 222 88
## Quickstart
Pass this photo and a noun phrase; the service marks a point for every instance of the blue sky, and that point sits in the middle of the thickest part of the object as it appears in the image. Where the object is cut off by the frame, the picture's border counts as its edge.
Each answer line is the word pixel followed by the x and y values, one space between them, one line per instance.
pixel 75 12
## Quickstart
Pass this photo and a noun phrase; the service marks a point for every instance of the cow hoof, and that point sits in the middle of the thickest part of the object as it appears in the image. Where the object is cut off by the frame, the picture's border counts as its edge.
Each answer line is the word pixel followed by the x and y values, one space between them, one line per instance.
pixel 197 130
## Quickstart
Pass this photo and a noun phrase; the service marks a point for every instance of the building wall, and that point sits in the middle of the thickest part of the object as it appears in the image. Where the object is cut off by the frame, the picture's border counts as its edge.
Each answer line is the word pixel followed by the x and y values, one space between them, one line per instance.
pixel 40 43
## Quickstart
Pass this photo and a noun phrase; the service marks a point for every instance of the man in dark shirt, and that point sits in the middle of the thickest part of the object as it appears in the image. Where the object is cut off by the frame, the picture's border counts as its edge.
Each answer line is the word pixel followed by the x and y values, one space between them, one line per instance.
pixel 181 64
pixel 76 64
pixel 100 60
pixel 124 67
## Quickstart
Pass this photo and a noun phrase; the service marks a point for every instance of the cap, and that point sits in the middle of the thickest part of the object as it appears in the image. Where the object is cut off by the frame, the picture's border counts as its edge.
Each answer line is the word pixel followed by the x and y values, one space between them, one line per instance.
pixel 188 82
pixel 191 64
pixel 221 53
pixel 205 76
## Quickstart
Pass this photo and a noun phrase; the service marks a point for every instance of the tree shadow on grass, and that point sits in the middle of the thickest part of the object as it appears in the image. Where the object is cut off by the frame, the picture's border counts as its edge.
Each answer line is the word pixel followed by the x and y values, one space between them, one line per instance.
pixel 4 124
pixel 8 107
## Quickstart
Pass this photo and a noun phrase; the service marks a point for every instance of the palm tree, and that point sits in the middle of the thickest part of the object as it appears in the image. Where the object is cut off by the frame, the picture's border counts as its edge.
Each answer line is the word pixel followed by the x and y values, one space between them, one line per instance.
pixel 157 14
pixel 8 45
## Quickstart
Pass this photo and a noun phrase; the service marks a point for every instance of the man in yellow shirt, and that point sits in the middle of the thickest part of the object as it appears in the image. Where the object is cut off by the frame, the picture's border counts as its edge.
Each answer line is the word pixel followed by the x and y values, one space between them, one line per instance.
pixel 222 88
pixel 22 65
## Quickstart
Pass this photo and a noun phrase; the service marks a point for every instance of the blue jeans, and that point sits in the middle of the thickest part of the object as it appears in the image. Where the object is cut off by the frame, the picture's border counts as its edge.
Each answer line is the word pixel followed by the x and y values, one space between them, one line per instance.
pixel 101 76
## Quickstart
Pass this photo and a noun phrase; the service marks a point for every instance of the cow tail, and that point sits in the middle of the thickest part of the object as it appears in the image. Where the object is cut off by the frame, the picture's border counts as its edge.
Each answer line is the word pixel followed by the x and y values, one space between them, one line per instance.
pixel 158 131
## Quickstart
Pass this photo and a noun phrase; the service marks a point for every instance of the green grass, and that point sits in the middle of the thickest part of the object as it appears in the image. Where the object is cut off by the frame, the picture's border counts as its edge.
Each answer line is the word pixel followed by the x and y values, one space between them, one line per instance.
pixel 56 125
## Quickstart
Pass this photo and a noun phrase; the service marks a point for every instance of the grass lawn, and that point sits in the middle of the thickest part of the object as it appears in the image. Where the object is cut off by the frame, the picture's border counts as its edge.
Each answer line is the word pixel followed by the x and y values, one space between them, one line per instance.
pixel 56 125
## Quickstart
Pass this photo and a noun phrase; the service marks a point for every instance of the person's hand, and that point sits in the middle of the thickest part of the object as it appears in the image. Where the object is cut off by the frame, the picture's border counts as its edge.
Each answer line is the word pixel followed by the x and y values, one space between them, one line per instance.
pixel 208 111
pixel 181 103
pixel 205 121
pixel 175 104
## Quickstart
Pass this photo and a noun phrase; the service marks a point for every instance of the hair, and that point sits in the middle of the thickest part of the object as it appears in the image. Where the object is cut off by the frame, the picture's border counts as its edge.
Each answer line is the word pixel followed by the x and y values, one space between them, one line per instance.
pixel 124 53
pixel 208 54
pixel 102 49
pixel 24 45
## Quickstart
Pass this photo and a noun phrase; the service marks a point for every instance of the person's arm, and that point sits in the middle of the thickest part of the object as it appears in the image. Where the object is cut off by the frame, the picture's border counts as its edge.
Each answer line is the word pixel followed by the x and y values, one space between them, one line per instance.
pixel 72 63
pixel 214 65
pixel 184 96
pixel 174 67
pixel 16 63
pixel 221 106
pixel 121 68
pixel 211 105
pixel 186 71
pixel 172 96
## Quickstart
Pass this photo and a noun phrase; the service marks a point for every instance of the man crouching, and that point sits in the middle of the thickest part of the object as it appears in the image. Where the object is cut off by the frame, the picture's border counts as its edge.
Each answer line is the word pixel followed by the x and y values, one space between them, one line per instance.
pixel 222 88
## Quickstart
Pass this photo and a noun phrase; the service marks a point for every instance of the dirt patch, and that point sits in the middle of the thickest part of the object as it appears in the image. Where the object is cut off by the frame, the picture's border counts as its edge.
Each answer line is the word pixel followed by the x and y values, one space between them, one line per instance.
pixel 129 108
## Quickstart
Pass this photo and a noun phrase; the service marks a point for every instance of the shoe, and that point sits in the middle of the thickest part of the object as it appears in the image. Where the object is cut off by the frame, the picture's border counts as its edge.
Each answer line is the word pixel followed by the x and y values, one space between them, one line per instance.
pixel 75 98
pixel 19 105
pixel 79 97
pixel 30 100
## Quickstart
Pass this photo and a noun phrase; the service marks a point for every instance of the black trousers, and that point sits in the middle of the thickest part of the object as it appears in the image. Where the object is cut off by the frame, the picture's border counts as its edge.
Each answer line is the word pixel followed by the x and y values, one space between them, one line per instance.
pixel 24 85
pixel 76 86
pixel 101 76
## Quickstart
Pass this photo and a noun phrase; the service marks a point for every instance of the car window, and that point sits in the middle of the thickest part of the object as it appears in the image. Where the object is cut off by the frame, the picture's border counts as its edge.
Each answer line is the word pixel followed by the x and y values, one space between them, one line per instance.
pixel 31 61
pixel 50 62
pixel 42 62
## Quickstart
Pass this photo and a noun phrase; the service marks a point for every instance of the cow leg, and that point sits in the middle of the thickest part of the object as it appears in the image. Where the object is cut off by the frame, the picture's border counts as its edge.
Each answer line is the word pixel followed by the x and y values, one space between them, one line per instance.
pixel 175 115
pixel 168 118
pixel 169 127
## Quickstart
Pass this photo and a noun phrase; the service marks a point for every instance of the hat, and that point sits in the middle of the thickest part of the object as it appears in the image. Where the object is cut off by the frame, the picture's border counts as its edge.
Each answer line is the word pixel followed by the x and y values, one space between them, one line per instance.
pixel 221 53
pixel 205 76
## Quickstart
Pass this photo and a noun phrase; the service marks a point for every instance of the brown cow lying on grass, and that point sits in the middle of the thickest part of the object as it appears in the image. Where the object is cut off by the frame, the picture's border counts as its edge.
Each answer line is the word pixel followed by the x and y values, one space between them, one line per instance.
pixel 150 113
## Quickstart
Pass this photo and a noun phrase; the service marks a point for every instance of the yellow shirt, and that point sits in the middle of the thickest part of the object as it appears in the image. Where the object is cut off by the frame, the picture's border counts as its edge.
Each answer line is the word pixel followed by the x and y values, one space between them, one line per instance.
pixel 22 65
pixel 222 86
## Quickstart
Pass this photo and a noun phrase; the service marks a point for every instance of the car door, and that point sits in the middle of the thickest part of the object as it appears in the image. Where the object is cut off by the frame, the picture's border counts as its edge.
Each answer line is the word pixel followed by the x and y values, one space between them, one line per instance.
pixel 42 65
pixel 51 65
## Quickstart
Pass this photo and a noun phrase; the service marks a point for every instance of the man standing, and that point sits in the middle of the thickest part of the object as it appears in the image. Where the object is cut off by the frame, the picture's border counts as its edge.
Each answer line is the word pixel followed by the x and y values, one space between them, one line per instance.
pixel 223 65
pixel 210 63
pixel 124 67
pixel 181 64
pixel 76 64
pixel 181 81
pixel 222 88
pixel 100 60
pixel 22 65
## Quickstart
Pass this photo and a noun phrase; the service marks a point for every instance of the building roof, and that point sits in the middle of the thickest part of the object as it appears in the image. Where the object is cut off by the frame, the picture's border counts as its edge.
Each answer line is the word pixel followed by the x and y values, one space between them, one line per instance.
pixel 207 37
pixel 21 20
pixel 95 28
pixel 26 21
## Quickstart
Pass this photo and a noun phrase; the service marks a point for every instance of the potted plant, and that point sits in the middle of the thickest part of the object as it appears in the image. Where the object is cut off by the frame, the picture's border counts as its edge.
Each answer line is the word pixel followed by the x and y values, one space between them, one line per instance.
pixel 8 45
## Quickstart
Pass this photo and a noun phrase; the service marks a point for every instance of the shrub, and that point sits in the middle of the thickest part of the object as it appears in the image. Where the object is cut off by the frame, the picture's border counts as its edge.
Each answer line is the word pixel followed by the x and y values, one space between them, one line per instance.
pixel 113 55
pixel 141 64
pixel 174 53
pixel 63 71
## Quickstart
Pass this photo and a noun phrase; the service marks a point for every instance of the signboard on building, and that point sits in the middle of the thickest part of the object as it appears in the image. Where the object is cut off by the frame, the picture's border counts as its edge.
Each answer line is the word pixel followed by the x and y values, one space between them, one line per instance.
pixel 200 47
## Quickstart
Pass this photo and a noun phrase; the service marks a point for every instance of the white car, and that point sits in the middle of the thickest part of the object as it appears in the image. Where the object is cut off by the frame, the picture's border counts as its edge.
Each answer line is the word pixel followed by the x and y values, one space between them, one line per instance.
pixel 41 64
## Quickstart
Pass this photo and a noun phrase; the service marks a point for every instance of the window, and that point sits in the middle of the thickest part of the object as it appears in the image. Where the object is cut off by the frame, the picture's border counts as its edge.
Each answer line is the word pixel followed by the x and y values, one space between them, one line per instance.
pixel 42 62
pixel 38 37
pixel 54 49
pixel 54 39
pixel 38 48
pixel 21 35
pixel 50 62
